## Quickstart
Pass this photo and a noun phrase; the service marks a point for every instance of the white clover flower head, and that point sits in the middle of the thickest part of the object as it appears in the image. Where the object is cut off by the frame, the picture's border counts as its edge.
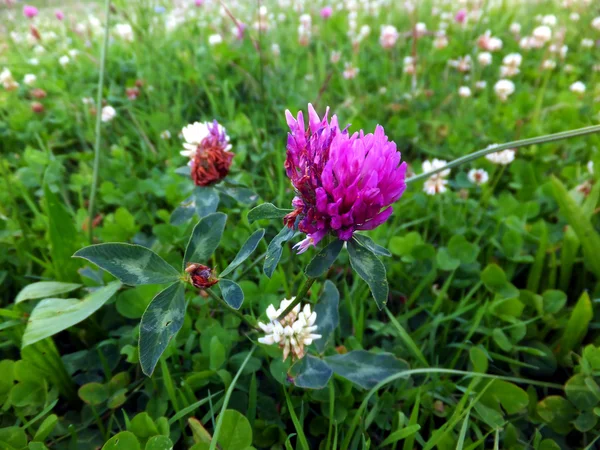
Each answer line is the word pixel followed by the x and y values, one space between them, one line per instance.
pixel 293 332
pixel 462 64
pixel 335 56
pixel 574 17
pixel 510 65
pixel 484 58
pixel 388 36
pixel 276 50
pixel 578 87
pixel 503 158
pixel 29 79
pixel 108 113
pixel 515 28
pixel 441 40
pixel 195 133
pixel 542 34
pixel 420 29
pixel 549 20
pixel 504 88
pixel 478 176
pixel 64 60
pixel 350 72
pixel 464 91
pixel 587 43
pixel 124 31
pixel 436 183
pixel 215 39
pixel 165 135
pixel 481 84
pixel 596 23
pixel 548 64
pixel 590 167
pixel 5 76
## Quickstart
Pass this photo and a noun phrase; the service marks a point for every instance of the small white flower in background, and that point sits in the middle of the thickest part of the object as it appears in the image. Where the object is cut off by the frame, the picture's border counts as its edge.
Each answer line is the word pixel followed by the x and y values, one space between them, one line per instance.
pixel 461 64
pixel 510 65
pixel 590 167
pixel 34 61
pixel 504 88
pixel 108 113
pixel 420 29
pixel 124 31
pixel 306 20
pixel 64 60
pixel 293 332
pixel 39 50
pixel 596 23
pixel 29 79
pixel 73 53
pixel 435 184
pixel 515 28
pixel 549 20
pixel 481 84
pixel 388 37
pixel 410 65
pixel 489 43
pixel 166 134
pixel 193 135
pixel 335 56
pixel 549 64
pixel 578 87
pixel 441 40
pixel 541 35
pixel 478 176
pixel 563 51
pixel 587 43
pixel 87 101
pixel 215 39
pixel 7 80
pixel 574 17
pixel 350 72
pixel 484 58
pixel 464 91
pixel 503 158
pixel 276 50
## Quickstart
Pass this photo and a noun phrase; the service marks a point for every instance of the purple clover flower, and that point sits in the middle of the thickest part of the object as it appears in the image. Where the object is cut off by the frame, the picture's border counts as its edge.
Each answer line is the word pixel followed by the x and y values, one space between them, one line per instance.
pixel 344 183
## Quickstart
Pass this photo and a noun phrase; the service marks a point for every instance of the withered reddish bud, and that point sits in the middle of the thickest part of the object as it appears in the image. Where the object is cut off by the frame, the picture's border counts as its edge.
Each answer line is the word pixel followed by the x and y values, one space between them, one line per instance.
pixel 139 83
pixel 201 276
pixel 37 107
pixel 38 93
pixel 132 93
pixel 211 164
pixel 35 33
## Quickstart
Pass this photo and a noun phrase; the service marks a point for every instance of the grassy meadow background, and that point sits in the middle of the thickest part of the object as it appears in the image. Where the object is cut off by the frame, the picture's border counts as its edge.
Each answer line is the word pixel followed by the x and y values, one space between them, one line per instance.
pixel 493 287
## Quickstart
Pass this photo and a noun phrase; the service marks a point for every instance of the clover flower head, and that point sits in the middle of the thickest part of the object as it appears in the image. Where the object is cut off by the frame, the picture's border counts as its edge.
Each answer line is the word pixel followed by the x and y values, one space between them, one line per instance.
pixel 343 183
pixel 436 183
pixel 478 176
pixel 293 332
pixel 503 158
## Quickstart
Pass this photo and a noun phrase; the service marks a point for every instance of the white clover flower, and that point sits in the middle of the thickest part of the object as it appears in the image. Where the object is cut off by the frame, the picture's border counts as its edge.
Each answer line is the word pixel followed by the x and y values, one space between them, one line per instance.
pixel 350 72
pixel 590 167
pixel 542 34
pixel 481 84
pixel 510 65
pixel 578 87
pixel 87 101
pixel 464 91
pixel 410 65
pixel 335 56
pixel 549 64
pixel 596 23
pixel 503 89
pixel 215 39
pixel 34 61
pixel 275 50
pixel 306 20
pixel 461 64
pixel 108 113
pixel 5 76
pixel 293 332
pixel 503 158
pixel 436 183
pixel 441 40
pixel 489 43
pixel 484 58
pixel 549 20
pixel 193 135
pixel 124 31
pixel 165 135
pixel 515 28
pixel 587 43
pixel 478 176
pixel 574 17
pixel 388 37
pixel 64 60
pixel 29 79
pixel 420 29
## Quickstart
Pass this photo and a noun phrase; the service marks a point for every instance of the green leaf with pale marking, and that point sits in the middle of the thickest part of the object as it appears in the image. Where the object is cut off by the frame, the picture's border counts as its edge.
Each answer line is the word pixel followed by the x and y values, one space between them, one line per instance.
pixel 328 316
pixel 246 250
pixel 159 443
pixel 125 440
pixel 267 211
pixel 311 373
pixel 45 289
pixel 206 200
pixel 205 238
pixel 184 212
pixel 364 368
pixel 324 259
pixel 583 228
pixel 160 323
pixel 232 293
pixel 53 315
pixel 370 269
pixel 275 249
pixel 367 242
pixel 132 264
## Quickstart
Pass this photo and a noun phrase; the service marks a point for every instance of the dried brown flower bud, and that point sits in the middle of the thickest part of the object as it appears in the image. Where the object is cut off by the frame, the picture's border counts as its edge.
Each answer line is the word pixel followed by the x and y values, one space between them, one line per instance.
pixel 37 107
pixel 201 276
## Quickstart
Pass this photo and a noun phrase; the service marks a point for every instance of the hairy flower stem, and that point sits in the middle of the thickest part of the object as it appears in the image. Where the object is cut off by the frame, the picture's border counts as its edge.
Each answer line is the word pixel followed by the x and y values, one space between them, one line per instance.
pixel 92 202
pixel 515 144
pixel 230 309
pixel 299 297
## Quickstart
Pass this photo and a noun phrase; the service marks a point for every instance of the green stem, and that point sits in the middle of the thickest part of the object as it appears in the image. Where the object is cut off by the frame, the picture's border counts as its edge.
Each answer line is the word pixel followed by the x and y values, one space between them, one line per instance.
pixel 299 297
pixel 98 123
pixel 514 144
pixel 230 309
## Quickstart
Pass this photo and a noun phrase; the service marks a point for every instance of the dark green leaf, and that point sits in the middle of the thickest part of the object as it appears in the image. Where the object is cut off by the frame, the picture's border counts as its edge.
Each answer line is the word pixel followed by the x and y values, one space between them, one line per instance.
pixel 54 315
pixel 267 211
pixel 328 316
pixel 577 326
pixel 93 393
pixel 246 250
pixel 240 194
pixel 236 433
pixel 366 241
pixel 206 201
pixel 324 259
pixel 232 293
pixel 160 323
pixel 125 440
pixel 370 269
pixel 45 289
pixel 311 373
pixel 205 238
pixel 159 443
pixel 275 250
pixel 364 368
pixel 132 264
